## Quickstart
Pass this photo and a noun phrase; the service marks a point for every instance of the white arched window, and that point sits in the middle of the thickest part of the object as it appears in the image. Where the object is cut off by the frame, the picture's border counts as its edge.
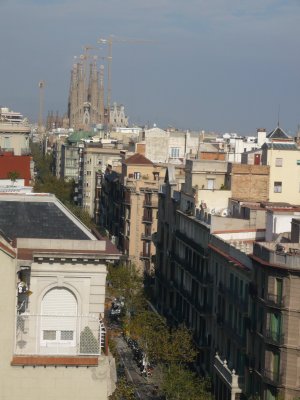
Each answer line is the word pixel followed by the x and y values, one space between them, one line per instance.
pixel 58 318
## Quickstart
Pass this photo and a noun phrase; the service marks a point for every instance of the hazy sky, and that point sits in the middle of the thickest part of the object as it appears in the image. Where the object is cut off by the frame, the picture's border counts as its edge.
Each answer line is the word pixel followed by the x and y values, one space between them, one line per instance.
pixel 223 65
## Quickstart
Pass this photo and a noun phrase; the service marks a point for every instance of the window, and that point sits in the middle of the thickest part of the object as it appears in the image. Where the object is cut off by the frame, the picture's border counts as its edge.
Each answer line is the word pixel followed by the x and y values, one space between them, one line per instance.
pixel 210 184
pixel 278 162
pixel 58 318
pixel 49 335
pixel 277 187
pixel 298 162
pixel 137 175
pixel 6 143
pixel 174 152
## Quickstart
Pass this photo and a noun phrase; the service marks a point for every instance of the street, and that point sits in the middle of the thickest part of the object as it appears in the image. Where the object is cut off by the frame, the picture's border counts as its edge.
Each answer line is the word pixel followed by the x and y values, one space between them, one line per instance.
pixel 145 386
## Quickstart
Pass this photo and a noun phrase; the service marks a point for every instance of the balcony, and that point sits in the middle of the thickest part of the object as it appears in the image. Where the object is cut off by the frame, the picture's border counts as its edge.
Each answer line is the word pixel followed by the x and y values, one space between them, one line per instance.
pixel 148 219
pixel 146 236
pixel 58 335
pixel 236 299
pixel 145 256
pixel 272 377
pixel 274 338
pixel 275 300
pixel 233 381
pixel 204 309
pixel 235 335
pixel 151 204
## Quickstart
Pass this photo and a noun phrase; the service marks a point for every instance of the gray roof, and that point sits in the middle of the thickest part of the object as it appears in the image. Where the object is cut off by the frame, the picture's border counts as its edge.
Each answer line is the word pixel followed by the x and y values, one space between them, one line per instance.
pixel 281 146
pixel 43 220
pixel 278 133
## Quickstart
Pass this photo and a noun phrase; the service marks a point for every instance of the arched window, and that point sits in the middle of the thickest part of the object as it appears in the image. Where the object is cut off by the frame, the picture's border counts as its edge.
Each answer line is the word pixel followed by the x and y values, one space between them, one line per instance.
pixel 58 318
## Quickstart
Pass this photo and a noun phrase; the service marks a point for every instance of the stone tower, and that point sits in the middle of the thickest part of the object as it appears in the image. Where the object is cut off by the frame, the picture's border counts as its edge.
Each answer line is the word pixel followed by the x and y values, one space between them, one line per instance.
pixel 85 103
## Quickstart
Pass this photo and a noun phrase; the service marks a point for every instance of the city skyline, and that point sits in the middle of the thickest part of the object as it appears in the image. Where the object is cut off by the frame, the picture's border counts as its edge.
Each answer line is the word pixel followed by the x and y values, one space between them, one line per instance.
pixel 224 65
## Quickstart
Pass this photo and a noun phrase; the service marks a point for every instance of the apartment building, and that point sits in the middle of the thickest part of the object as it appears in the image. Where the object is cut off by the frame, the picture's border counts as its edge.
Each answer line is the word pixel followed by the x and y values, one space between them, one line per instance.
pixel 173 146
pixel 54 272
pixel 208 270
pixel 274 320
pixel 284 162
pixel 14 132
pixel 128 208
pixel 96 159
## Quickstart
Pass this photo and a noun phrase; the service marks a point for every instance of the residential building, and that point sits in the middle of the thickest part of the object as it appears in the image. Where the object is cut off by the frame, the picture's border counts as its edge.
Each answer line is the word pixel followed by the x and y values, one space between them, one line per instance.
pixel 96 159
pixel 14 132
pixel 128 208
pixel 171 146
pixel 284 161
pixel 274 320
pixel 210 262
pixel 54 272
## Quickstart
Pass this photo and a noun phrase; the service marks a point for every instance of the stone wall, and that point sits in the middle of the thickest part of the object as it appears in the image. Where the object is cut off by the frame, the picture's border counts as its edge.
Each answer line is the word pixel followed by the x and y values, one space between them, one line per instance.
pixel 250 182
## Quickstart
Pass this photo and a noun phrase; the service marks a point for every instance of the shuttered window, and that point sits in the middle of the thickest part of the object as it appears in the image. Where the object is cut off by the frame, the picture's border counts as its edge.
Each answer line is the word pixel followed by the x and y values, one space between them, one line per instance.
pixel 58 317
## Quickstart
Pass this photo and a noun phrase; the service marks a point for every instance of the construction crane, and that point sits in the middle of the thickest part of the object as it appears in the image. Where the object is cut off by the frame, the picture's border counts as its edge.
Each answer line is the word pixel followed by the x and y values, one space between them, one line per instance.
pixel 109 41
pixel 41 106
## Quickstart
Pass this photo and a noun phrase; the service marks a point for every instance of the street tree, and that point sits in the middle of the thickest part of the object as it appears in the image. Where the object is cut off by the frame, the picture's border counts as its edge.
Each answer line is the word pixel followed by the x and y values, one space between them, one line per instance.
pixel 179 383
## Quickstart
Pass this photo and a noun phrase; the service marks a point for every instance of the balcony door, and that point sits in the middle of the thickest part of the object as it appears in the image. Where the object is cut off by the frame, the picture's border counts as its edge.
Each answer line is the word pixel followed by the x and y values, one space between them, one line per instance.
pixel 58 322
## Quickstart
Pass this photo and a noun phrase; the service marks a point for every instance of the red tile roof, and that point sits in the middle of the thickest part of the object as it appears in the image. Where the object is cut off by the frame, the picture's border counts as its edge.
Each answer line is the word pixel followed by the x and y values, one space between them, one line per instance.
pixel 20 164
pixel 138 159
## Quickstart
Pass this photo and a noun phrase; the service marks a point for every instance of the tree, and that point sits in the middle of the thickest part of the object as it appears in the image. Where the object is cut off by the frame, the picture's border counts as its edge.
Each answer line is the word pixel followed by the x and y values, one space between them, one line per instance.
pixel 179 383
pixel 13 176
pixel 152 334
pixel 123 280
pixel 181 348
pixel 161 343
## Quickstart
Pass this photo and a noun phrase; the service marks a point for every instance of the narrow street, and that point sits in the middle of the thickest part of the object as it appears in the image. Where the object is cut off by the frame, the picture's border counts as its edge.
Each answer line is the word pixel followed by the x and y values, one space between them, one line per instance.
pixel 145 387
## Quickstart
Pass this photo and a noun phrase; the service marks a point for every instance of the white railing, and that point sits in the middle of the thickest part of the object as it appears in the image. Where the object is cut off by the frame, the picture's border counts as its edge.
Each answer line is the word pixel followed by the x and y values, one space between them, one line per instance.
pixel 234 381
pixel 59 335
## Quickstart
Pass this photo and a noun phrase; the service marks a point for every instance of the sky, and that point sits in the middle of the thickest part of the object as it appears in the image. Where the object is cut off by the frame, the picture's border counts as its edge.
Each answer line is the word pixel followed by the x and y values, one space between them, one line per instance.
pixel 215 65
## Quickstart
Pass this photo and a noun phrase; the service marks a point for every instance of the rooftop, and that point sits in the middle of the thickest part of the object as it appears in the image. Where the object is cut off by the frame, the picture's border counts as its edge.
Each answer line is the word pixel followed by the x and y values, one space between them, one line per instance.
pixel 39 216
pixel 138 159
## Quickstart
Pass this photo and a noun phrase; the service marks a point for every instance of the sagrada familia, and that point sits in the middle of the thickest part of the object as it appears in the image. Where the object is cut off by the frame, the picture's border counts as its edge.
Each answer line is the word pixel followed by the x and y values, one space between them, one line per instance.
pixel 86 99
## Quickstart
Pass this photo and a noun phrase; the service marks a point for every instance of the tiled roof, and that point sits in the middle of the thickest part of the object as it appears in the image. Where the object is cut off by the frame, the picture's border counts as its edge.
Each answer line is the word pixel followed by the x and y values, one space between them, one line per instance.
pixel 138 159
pixel 42 220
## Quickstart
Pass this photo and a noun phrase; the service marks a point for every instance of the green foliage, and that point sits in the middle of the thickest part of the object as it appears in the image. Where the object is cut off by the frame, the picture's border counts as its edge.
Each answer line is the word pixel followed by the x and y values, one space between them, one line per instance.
pixel 81 214
pixel 181 348
pixel 125 281
pixel 179 383
pixel 45 181
pixel 59 187
pixel 159 342
pixel 88 343
pixel 13 175
pixel 124 391
pixel 152 334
